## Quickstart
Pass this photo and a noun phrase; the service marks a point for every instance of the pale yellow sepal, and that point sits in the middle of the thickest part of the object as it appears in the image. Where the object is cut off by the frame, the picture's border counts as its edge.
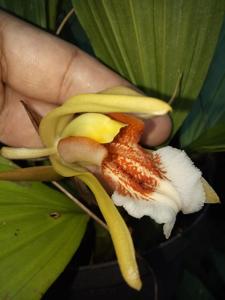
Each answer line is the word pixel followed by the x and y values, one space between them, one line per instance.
pixel 26 153
pixel 210 195
pixel 64 170
pixel 120 234
pixel 122 90
pixel 98 127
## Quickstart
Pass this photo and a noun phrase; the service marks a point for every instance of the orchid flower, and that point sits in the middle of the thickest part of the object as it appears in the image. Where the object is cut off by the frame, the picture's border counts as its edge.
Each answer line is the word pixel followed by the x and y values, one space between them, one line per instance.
pixel 157 184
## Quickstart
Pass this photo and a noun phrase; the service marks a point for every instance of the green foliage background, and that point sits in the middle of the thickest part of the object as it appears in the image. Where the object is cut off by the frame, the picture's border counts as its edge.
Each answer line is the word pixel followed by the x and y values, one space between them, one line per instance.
pixel 157 45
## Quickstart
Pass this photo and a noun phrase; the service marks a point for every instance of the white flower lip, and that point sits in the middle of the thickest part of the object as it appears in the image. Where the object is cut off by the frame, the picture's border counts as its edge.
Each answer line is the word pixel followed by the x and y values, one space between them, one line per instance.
pixel 158 210
pixel 185 177
pixel 182 191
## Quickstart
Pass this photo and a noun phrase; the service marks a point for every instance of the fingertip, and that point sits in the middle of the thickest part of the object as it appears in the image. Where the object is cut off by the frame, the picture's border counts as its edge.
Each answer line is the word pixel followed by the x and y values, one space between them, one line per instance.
pixel 157 130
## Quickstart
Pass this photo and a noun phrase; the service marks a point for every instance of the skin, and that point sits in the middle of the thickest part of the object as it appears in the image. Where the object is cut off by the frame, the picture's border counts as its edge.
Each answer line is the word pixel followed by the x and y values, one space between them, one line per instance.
pixel 44 71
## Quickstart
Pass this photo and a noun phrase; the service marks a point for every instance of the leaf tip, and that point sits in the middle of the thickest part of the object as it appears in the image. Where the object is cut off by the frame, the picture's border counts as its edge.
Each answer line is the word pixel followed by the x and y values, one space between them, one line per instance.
pixel 134 281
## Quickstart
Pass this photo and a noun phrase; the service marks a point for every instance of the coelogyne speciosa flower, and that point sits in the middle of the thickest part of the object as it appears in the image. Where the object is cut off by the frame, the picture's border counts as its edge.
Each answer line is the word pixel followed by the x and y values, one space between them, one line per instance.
pixel 94 132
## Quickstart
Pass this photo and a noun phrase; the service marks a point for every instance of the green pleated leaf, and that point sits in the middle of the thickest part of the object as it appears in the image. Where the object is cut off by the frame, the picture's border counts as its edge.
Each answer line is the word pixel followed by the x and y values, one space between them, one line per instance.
pixel 212 140
pixel 52 10
pixel 40 230
pixel 153 43
pixel 31 10
pixel 204 129
pixel 39 12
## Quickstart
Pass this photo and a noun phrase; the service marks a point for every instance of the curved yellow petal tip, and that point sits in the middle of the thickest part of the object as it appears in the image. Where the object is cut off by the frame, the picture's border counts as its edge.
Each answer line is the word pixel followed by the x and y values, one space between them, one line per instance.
pixel 210 194
pixel 122 90
pixel 25 153
pixel 98 127
pixel 120 234
pixel 158 106
pixel 134 281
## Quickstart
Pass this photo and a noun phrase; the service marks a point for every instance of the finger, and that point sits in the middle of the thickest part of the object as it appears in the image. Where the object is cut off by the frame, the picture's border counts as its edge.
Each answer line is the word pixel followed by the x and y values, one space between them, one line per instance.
pixel 16 128
pixel 42 66
pixel 157 130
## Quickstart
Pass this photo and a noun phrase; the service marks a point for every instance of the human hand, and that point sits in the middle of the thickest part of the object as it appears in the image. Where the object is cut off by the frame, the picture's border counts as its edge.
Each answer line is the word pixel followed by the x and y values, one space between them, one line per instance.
pixel 44 71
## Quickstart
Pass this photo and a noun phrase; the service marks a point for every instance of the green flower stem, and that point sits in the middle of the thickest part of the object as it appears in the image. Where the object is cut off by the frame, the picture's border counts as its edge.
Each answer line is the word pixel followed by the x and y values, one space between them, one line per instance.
pixel 40 173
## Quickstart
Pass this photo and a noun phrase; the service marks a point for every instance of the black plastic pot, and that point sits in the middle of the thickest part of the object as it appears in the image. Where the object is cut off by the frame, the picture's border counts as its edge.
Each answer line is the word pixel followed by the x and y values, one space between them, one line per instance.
pixel 161 269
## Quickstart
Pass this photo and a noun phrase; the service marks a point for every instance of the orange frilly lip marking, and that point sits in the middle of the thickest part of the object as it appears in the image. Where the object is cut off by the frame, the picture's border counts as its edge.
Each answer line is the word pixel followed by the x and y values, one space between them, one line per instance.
pixel 129 169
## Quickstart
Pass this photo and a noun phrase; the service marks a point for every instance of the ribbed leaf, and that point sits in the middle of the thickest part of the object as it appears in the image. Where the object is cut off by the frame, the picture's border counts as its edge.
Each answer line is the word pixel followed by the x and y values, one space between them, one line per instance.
pixel 204 129
pixel 40 12
pixel 31 10
pixel 52 13
pixel 212 140
pixel 153 42
pixel 40 229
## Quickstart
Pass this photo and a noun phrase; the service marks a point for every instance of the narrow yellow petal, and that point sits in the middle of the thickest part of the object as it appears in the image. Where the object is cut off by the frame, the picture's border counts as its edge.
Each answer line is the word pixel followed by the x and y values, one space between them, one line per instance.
pixel 62 123
pixel 25 153
pixel 211 195
pixel 122 90
pixel 120 234
pixel 64 170
pixel 98 127
pixel 99 103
